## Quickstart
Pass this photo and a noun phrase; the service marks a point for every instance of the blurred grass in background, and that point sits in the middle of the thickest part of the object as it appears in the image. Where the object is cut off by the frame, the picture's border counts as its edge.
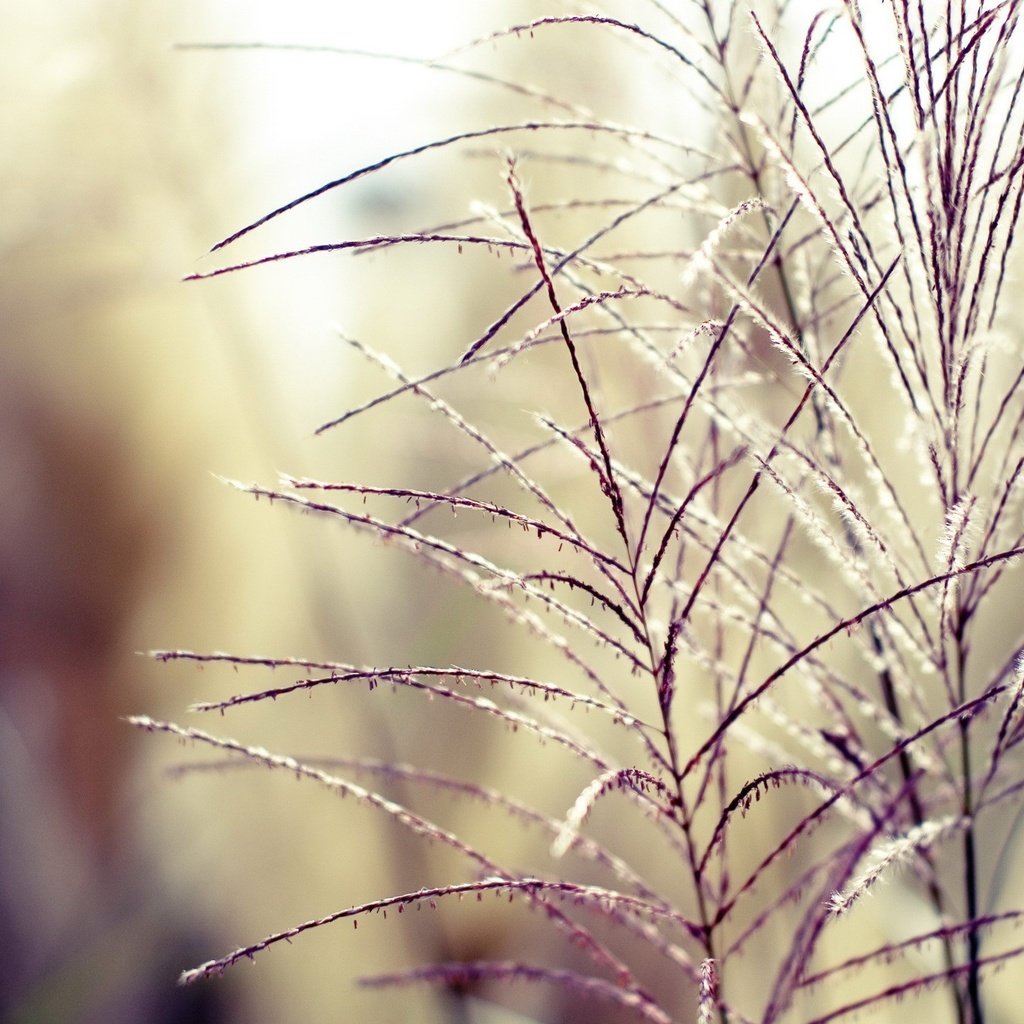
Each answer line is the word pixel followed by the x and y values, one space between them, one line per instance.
pixel 121 391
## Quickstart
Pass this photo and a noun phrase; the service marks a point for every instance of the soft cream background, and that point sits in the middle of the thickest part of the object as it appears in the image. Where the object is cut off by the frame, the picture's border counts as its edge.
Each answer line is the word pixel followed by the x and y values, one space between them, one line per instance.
pixel 121 392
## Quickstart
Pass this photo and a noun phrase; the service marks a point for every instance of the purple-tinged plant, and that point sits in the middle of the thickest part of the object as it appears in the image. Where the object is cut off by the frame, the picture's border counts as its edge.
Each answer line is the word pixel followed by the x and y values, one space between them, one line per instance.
pixel 771 535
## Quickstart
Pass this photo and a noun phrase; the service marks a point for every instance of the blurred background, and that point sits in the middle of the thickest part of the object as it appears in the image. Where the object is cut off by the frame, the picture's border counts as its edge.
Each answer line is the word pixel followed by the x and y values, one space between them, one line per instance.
pixel 124 394
pixel 122 391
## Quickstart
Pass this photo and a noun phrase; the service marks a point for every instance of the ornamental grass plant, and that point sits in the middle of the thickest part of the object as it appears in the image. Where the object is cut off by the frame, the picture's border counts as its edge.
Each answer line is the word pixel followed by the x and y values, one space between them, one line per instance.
pixel 731 470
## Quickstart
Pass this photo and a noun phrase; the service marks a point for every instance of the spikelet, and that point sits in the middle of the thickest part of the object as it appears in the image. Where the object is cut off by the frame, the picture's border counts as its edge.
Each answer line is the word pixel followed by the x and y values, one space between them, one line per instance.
pixel 707 992
pixel 889 855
